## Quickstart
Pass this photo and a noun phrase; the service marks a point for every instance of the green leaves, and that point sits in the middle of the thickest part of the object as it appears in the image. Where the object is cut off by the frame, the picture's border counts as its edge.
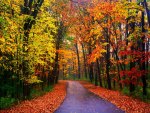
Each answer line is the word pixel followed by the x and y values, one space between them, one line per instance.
pixel 33 80
pixel 6 102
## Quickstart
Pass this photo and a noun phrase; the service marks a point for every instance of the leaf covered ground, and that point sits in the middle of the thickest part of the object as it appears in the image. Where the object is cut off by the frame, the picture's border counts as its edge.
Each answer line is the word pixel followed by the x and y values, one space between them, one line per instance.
pixel 47 103
pixel 126 103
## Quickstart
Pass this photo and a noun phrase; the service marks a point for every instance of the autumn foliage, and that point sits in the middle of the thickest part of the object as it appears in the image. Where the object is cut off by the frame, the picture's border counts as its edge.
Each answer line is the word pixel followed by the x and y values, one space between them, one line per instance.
pixel 42 41
pixel 111 41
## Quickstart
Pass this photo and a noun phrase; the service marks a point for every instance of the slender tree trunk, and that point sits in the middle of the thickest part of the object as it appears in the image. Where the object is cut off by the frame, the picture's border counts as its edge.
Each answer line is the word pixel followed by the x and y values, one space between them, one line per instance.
pixel 58 40
pixel 118 69
pixel 90 65
pixel 148 18
pixel 84 60
pixel 78 57
pixel 56 68
pixel 99 73
pixel 147 11
pixel 73 68
pixel 143 67
pixel 108 62
pixel 96 77
pixel 91 72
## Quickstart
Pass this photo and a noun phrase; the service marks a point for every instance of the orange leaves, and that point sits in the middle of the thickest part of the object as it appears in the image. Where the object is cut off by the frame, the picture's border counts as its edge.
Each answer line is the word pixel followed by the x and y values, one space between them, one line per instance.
pixel 66 59
pixel 96 53
pixel 66 53
pixel 105 9
pixel 101 9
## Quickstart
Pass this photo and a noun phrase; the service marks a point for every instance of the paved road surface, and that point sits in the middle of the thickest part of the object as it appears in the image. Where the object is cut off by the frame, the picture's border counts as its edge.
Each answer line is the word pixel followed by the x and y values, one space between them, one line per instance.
pixel 80 100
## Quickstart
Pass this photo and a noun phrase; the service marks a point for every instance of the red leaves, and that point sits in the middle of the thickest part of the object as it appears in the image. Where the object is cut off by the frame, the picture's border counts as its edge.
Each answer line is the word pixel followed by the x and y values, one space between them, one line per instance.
pixel 130 52
pixel 135 54
pixel 128 104
pixel 133 72
pixel 132 76
pixel 126 81
pixel 44 104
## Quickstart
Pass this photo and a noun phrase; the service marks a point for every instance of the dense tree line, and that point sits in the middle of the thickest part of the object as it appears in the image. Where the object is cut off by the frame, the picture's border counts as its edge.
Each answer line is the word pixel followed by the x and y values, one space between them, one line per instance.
pixel 111 40
pixel 30 34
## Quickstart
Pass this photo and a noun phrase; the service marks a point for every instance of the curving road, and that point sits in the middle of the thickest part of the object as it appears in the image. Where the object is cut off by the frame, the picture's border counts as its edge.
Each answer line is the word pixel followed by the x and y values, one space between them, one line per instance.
pixel 80 100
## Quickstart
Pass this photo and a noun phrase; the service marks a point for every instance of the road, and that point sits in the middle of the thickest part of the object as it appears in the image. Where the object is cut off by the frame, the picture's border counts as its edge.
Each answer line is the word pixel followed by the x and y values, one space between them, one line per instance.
pixel 80 100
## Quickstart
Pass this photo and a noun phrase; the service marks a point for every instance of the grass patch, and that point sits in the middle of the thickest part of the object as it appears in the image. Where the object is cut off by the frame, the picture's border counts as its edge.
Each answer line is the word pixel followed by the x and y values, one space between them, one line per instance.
pixel 48 88
pixel 6 102
pixel 137 94
pixel 125 91
pixel 36 92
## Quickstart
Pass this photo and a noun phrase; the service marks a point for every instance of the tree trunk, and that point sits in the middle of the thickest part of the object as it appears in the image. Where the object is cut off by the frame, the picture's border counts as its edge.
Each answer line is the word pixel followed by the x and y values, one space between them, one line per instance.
pixel 58 40
pixel 143 66
pixel 108 62
pixel 99 73
pixel 56 69
pixel 96 77
pixel 27 27
pixel 91 72
pixel 84 60
pixel 78 58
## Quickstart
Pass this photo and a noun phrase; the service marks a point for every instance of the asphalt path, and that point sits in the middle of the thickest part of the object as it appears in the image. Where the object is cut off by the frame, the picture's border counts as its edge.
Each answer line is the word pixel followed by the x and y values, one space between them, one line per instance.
pixel 80 100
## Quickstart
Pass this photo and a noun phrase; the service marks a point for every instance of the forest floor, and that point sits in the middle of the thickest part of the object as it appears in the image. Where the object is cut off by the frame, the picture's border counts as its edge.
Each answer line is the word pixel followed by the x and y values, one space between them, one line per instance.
pixel 126 103
pixel 54 101
pixel 47 103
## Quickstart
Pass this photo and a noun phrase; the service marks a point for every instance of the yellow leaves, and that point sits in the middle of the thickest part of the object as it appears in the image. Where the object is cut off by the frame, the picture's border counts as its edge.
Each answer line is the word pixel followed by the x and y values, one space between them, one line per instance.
pixel 46 22
pixel 41 48
pixel 41 36
pixel 105 44
pixel 98 16
pixel 48 3
pixel 7 45
pixel 2 40
pixel 9 5
pixel 132 9
pixel 96 30
pixel 8 49
pixel 33 79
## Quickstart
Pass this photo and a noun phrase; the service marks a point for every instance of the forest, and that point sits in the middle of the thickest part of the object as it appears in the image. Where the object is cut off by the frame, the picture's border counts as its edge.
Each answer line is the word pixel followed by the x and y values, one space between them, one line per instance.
pixel 106 42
